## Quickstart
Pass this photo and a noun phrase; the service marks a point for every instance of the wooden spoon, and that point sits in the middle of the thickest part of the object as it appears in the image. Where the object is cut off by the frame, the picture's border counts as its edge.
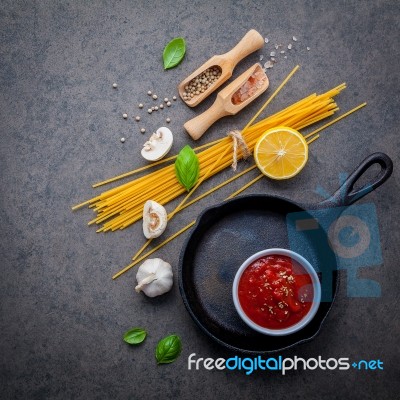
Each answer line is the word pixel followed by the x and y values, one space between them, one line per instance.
pixel 251 42
pixel 225 103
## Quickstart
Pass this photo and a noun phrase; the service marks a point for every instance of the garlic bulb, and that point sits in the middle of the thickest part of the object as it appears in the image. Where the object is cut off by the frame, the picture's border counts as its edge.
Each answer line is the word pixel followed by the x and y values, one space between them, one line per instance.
pixel 158 145
pixel 154 219
pixel 154 277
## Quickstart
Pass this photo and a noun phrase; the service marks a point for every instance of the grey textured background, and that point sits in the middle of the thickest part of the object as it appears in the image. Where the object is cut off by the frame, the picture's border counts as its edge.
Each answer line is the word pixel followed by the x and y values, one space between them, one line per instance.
pixel 62 317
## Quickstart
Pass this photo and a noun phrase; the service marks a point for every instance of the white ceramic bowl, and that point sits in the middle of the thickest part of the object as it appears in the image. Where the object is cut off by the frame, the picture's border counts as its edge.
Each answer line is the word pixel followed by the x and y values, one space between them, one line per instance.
pixel 315 302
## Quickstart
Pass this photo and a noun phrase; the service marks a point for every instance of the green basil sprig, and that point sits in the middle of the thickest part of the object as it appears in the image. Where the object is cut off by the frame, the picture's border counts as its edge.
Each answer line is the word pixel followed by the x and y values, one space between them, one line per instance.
pixel 135 336
pixel 187 167
pixel 174 52
pixel 168 349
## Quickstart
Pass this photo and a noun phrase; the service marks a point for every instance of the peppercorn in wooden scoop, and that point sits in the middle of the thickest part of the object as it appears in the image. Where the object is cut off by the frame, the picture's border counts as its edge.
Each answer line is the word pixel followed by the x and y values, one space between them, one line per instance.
pixel 217 70
pixel 230 100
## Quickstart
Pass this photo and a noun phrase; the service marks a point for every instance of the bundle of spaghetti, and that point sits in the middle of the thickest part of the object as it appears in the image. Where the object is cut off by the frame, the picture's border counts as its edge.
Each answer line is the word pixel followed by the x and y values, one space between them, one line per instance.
pixel 122 206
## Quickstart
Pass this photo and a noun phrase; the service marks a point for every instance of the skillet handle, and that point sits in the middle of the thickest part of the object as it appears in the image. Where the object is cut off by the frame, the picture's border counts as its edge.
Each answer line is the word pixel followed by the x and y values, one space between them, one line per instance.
pixel 347 195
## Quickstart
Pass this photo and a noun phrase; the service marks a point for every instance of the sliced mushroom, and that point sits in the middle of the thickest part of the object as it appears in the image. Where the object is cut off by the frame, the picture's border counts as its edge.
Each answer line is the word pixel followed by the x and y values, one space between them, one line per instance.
pixel 158 145
pixel 154 219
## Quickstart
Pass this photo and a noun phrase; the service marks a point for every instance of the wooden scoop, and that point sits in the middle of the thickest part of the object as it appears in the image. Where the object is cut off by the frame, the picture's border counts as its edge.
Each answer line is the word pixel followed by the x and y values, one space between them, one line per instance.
pixel 251 42
pixel 225 102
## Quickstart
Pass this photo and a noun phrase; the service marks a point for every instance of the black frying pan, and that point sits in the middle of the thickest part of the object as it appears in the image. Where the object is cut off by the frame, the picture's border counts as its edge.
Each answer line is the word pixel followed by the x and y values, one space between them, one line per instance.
pixel 226 235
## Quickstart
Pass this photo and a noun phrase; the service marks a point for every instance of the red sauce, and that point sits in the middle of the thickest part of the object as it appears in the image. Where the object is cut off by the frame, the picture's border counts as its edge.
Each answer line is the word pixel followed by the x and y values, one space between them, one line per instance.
pixel 275 292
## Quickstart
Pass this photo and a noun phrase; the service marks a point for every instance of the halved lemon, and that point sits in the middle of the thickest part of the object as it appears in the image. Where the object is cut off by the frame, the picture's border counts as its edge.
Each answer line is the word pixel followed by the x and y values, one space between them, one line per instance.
pixel 281 153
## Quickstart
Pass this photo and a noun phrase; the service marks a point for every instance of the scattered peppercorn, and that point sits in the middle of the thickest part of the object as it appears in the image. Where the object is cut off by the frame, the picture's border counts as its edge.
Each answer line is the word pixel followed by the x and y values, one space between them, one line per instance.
pixel 168 120
pixel 168 104
pixel 142 130
pixel 155 97
pixel 140 105
pixel 122 140
pixel 149 92
pixel 125 116
pixel 114 85
pixel 137 118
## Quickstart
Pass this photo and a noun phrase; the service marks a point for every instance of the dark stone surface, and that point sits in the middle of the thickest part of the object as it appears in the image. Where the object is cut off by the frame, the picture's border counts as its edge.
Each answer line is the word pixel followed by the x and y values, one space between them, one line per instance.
pixel 62 317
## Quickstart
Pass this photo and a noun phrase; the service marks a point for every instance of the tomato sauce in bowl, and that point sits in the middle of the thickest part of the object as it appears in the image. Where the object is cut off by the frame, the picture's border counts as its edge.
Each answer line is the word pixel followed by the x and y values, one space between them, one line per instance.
pixel 278 293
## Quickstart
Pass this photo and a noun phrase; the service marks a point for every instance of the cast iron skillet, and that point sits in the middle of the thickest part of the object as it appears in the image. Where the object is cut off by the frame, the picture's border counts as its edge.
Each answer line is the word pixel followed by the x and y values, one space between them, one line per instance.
pixel 227 234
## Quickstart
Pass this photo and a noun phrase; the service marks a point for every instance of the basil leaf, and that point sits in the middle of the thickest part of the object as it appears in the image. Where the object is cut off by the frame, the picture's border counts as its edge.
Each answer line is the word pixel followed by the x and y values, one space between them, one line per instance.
pixel 168 349
pixel 187 168
pixel 135 336
pixel 174 52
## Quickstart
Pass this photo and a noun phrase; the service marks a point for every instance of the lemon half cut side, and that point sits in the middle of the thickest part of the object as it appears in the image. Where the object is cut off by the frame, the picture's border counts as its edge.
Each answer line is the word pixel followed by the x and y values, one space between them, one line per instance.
pixel 281 152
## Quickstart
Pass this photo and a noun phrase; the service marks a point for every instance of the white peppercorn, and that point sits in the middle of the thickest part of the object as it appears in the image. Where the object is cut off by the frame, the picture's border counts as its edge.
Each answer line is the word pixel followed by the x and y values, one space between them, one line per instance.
pixel 201 83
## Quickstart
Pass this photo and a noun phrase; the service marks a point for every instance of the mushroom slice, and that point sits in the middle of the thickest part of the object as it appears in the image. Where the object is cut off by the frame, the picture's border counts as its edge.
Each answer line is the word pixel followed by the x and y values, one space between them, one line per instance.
pixel 154 219
pixel 158 145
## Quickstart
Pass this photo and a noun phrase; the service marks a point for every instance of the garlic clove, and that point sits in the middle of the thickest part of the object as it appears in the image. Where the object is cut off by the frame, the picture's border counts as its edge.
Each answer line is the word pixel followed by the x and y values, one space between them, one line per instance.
pixel 154 219
pixel 161 143
pixel 154 277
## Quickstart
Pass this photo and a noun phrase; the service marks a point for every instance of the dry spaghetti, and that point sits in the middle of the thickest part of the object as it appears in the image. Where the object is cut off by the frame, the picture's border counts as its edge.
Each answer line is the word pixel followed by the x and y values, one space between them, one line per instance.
pixel 122 206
